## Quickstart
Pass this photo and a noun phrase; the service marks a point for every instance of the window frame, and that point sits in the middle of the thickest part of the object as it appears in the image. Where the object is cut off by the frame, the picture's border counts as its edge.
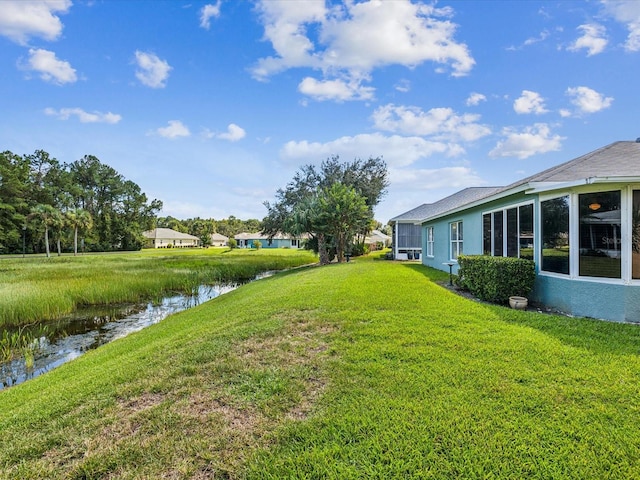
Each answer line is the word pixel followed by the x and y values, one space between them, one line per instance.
pixel 504 238
pixel 626 190
pixel 430 241
pixel 456 244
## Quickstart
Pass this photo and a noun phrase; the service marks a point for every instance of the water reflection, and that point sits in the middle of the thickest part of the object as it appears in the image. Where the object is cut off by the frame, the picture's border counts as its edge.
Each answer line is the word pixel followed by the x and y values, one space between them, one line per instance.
pixel 91 327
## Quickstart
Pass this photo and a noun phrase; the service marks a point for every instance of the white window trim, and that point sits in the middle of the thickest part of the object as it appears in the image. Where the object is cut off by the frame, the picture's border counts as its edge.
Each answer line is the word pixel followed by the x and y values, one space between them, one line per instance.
pixel 430 241
pixel 457 242
pixel 626 213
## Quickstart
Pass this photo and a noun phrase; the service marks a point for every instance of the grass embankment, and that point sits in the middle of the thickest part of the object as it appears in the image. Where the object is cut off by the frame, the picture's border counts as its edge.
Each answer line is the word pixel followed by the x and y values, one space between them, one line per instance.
pixel 37 288
pixel 360 370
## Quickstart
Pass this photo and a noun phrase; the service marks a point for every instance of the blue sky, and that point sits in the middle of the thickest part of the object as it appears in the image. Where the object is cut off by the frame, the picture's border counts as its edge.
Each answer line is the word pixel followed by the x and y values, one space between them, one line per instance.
pixel 212 106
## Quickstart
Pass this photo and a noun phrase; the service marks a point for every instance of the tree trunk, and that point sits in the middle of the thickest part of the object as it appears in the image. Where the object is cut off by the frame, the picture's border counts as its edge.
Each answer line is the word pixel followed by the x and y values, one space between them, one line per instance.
pixel 75 241
pixel 340 247
pixel 59 247
pixel 322 250
pixel 46 241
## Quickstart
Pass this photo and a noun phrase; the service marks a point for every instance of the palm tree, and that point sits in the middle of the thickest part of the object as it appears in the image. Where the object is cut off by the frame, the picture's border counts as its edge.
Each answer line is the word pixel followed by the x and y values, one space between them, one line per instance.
pixel 57 225
pixel 46 215
pixel 79 219
pixel 304 219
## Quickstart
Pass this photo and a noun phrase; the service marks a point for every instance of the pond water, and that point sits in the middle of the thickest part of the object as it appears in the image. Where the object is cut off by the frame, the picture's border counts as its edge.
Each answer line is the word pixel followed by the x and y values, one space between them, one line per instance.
pixel 88 328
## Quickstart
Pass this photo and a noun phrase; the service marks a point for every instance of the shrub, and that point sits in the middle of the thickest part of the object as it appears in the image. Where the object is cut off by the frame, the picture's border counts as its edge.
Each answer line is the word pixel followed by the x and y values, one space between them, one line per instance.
pixel 359 249
pixel 495 279
pixel 257 244
pixel 232 243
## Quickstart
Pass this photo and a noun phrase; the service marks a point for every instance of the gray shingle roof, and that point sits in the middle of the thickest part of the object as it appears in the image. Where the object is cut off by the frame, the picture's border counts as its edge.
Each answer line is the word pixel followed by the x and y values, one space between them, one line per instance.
pixel 458 199
pixel 618 160
pixel 168 234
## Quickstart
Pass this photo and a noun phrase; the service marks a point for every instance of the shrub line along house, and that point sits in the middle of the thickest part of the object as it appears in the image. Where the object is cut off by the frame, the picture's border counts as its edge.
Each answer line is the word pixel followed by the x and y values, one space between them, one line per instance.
pixel 579 221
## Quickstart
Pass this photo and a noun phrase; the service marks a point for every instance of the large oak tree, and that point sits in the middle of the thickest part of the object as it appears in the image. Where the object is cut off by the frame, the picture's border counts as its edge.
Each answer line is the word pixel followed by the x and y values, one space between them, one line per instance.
pixel 331 204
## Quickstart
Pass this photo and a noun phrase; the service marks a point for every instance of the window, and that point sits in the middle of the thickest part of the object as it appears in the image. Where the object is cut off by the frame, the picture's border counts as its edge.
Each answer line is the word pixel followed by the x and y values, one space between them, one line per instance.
pixel 509 232
pixel 498 228
pixel 512 232
pixel 635 236
pixel 525 231
pixel 429 241
pixel 486 233
pixel 409 236
pixel 600 234
pixel 456 239
pixel 294 243
pixel 555 235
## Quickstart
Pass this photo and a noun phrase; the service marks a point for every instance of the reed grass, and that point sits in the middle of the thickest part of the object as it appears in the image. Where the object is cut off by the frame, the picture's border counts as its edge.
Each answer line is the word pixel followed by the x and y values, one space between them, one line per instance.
pixel 39 289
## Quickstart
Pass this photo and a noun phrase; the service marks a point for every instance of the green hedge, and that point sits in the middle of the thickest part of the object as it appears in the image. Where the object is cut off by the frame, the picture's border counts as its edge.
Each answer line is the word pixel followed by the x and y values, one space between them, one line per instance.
pixel 495 279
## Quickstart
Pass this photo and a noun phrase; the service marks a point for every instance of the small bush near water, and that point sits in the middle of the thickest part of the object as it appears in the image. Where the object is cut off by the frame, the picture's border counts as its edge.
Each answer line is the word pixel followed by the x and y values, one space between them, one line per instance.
pixel 495 279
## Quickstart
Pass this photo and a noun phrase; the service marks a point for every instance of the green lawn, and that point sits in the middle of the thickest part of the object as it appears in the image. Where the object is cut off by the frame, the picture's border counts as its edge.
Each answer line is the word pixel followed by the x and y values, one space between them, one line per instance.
pixel 367 369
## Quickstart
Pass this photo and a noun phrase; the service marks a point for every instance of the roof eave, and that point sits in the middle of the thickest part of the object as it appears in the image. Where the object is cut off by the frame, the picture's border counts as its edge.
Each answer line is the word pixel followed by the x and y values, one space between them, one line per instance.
pixel 542 187
pixel 496 196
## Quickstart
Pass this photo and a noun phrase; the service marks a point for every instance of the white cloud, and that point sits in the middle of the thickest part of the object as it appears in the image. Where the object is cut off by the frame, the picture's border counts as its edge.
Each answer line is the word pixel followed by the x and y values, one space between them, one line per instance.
pixel 207 12
pixel 529 102
pixel 351 40
pixel 396 150
pixel 233 133
pixel 403 86
pixel 174 130
pixel 338 90
pixel 593 39
pixel 84 117
pixel 441 123
pixel 530 41
pixel 51 69
pixel 433 178
pixel 540 38
pixel 627 13
pixel 152 71
pixel 21 19
pixel 588 100
pixel 532 140
pixel 475 99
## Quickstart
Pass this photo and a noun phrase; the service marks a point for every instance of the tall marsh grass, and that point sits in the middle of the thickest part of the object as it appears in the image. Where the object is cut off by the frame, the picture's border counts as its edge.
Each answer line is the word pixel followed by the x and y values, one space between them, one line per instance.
pixel 39 289
pixel 21 342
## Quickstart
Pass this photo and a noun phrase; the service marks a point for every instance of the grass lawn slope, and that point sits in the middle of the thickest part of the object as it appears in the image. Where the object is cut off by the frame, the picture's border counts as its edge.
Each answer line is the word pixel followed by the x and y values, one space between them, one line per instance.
pixel 367 369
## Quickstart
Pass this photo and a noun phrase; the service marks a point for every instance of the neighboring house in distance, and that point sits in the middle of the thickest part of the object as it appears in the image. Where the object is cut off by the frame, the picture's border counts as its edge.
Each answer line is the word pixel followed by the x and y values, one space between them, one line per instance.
pixel 168 238
pixel 579 221
pixel 246 240
pixel 219 240
pixel 377 237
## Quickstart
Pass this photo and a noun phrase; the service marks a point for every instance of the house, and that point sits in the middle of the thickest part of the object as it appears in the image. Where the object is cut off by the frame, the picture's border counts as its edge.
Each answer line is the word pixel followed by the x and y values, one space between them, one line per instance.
pixel 247 240
pixel 168 238
pixel 376 238
pixel 407 227
pixel 579 221
pixel 218 240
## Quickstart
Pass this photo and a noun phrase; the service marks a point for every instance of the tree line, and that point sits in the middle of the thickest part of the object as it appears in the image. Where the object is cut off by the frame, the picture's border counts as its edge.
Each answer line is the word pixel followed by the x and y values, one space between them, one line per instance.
pixel 84 204
pixel 88 205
